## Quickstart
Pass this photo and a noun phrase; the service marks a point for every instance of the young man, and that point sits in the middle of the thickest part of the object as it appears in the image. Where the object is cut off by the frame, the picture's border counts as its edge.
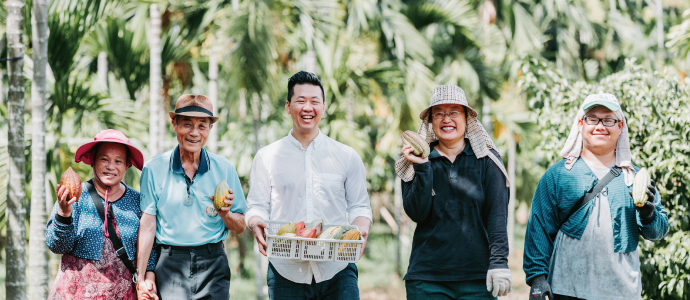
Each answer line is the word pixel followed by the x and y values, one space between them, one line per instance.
pixel 307 176
pixel 177 205
pixel 592 254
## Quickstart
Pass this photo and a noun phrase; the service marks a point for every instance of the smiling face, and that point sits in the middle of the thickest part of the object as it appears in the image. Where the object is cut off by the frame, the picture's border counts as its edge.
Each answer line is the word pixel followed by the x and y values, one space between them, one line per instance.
pixel 449 130
pixel 110 163
pixel 306 108
pixel 598 138
pixel 192 132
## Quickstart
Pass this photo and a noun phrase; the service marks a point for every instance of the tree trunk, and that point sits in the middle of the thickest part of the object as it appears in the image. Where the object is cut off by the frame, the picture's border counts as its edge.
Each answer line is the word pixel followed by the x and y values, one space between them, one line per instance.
pixel 659 14
pixel 103 69
pixel 213 95
pixel 155 137
pixel 511 204
pixel 39 271
pixel 15 284
pixel 258 270
pixel 310 61
pixel 486 115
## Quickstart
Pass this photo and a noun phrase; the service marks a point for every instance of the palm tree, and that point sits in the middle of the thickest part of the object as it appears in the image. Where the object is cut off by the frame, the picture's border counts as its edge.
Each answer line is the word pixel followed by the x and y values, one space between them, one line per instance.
pixel 38 252
pixel 16 205
pixel 155 110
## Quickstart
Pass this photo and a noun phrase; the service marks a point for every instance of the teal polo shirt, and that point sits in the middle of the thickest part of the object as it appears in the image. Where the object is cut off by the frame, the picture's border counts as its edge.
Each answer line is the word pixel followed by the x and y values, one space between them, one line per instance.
pixel 185 216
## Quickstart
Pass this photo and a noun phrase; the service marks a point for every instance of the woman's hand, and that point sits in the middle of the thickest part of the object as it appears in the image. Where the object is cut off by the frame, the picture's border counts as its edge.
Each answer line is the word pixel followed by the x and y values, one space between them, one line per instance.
pixel 64 204
pixel 146 289
pixel 408 152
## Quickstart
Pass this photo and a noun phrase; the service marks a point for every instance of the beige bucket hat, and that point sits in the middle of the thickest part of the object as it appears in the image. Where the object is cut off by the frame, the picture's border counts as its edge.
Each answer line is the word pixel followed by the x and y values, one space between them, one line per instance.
pixel 480 141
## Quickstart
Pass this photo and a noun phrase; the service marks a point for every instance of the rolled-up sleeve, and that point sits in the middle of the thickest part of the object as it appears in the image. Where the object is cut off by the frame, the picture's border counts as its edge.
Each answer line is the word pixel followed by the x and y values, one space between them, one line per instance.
pixel 259 196
pixel 148 198
pixel 356 195
pixel 656 227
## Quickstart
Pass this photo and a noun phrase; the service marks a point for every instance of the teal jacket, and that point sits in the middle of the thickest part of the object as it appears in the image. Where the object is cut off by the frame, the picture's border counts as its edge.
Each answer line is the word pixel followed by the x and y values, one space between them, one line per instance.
pixel 558 191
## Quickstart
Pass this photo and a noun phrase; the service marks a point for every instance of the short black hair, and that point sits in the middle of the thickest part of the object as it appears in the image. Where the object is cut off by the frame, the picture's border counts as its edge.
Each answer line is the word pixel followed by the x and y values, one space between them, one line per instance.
pixel 304 77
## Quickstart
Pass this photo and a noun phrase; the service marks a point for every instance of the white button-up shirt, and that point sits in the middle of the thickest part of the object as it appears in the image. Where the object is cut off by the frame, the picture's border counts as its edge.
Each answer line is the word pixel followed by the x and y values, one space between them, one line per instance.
pixel 289 183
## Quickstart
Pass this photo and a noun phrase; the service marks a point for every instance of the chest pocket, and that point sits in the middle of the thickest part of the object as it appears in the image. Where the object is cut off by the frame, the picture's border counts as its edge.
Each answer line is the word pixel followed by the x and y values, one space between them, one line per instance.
pixel 329 187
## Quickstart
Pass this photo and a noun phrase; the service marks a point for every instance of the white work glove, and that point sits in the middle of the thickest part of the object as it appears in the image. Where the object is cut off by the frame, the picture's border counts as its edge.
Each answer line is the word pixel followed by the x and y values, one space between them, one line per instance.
pixel 501 280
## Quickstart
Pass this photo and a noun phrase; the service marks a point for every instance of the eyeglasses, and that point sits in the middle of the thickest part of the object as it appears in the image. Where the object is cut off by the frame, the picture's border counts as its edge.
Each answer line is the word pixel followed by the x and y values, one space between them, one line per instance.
pixel 442 115
pixel 608 122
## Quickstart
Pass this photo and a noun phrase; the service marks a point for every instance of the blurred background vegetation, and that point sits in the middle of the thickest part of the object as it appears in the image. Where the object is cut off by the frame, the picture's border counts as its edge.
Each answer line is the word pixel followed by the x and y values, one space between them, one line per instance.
pixel 525 66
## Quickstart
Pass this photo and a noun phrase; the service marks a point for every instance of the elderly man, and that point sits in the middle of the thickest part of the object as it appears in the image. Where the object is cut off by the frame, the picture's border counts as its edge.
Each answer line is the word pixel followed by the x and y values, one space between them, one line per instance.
pixel 177 205
pixel 307 176
pixel 583 231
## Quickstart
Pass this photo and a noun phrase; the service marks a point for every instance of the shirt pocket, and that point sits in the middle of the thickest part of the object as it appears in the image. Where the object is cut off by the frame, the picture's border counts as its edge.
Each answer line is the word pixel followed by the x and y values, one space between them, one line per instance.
pixel 330 187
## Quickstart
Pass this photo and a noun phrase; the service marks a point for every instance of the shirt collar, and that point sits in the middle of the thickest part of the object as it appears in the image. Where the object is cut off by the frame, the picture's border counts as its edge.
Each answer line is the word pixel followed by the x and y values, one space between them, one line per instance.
pixel 176 162
pixel 435 154
pixel 316 142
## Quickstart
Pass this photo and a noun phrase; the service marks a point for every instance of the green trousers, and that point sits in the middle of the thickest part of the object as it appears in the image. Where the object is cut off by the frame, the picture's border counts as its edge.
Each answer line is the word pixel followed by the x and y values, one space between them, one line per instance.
pixel 447 290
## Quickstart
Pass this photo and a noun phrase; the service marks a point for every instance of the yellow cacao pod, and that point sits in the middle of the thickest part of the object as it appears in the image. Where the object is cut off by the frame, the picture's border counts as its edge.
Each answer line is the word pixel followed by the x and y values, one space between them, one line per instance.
pixel 219 195
pixel 287 228
pixel 351 235
pixel 418 143
pixel 71 181
pixel 639 192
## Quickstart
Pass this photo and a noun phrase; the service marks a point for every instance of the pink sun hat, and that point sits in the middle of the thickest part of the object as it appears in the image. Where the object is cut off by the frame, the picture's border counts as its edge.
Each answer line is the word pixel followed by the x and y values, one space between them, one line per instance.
pixel 85 153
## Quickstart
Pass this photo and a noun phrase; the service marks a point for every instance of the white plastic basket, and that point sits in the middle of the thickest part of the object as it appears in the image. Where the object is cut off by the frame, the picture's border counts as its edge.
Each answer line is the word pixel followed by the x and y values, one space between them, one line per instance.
pixel 311 249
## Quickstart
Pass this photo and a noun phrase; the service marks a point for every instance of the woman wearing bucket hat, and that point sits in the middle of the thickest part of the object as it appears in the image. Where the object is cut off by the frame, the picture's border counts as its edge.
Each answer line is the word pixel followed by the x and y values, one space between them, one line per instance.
pixel 458 197
pixel 97 237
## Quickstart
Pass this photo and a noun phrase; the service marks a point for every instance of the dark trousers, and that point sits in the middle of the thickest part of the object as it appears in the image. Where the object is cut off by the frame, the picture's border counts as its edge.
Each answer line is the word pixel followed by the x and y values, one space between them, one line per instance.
pixel 561 297
pixel 447 290
pixel 186 273
pixel 343 286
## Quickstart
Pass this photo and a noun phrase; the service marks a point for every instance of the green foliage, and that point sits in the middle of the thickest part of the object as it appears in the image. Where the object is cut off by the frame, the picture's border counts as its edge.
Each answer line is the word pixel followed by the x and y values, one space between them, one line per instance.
pixel 657 109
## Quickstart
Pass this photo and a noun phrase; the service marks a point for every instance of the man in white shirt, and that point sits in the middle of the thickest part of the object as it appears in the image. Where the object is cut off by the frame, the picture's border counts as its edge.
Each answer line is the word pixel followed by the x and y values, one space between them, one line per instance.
pixel 307 176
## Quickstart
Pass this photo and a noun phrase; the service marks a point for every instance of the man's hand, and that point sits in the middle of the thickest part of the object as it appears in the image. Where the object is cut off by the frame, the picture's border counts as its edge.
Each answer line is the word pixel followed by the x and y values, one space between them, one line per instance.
pixel 233 221
pixel 500 281
pixel 229 197
pixel 364 224
pixel 257 226
pixel 64 204
pixel 647 209
pixel 146 289
pixel 540 289
pixel 408 152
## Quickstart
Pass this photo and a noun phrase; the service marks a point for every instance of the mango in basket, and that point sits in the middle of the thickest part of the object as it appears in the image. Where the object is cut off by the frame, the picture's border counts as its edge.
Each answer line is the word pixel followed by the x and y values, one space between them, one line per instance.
pixel 287 228
pixel 310 233
pixel 318 224
pixel 299 226
pixel 333 233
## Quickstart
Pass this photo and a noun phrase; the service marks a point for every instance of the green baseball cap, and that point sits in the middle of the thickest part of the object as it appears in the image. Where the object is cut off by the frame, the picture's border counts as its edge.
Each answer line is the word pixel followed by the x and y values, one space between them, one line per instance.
pixel 604 99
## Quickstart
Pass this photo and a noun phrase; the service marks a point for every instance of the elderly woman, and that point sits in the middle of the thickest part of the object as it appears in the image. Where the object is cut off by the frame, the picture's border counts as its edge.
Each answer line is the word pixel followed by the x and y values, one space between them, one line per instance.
pixel 98 237
pixel 458 197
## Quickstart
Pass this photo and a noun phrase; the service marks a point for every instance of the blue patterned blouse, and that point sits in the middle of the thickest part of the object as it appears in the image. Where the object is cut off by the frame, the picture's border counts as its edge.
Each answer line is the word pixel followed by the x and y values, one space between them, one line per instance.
pixel 83 237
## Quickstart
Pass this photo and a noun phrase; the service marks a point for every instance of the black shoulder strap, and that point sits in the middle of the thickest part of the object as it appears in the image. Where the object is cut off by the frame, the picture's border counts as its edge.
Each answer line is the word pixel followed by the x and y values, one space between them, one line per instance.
pixel 117 243
pixel 595 190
